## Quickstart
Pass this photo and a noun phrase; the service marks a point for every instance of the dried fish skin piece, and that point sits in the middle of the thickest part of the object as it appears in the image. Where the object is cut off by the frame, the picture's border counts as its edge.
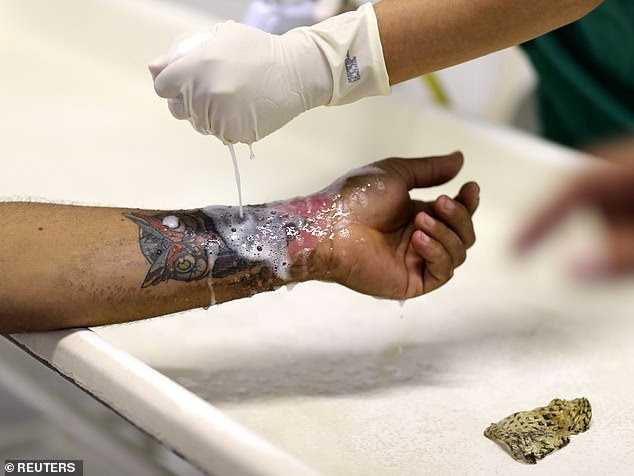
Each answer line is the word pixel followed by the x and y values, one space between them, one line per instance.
pixel 531 435
pixel 579 413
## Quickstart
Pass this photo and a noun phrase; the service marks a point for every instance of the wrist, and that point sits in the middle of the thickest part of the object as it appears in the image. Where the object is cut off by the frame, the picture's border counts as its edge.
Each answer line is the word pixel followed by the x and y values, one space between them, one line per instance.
pixel 237 256
pixel 337 61
pixel 272 244
pixel 309 235
pixel 350 46
pixel 309 73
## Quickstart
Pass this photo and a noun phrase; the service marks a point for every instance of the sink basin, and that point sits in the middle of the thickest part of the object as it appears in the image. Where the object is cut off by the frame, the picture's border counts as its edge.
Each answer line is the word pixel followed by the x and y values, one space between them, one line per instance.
pixel 316 378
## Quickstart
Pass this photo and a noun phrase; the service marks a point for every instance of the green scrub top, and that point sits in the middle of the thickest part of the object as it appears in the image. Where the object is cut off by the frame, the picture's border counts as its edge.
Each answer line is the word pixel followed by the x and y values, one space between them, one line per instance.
pixel 586 76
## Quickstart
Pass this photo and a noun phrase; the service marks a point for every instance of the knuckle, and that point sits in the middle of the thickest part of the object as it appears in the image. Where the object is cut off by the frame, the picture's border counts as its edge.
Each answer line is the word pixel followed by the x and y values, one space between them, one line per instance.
pixel 446 274
pixel 460 212
pixel 438 252
pixel 471 239
pixel 462 257
pixel 159 89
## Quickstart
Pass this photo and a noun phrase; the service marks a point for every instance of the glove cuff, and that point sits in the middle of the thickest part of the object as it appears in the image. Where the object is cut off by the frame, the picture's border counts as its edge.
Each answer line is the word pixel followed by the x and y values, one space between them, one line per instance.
pixel 352 47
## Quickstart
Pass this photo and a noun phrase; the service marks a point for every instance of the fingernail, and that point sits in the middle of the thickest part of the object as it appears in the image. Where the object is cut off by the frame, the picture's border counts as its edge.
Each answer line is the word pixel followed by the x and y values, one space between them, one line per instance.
pixel 424 238
pixel 427 220
pixel 448 204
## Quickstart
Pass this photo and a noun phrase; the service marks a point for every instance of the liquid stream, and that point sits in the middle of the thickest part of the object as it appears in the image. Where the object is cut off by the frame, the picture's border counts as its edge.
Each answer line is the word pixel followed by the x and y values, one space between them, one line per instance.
pixel 236 171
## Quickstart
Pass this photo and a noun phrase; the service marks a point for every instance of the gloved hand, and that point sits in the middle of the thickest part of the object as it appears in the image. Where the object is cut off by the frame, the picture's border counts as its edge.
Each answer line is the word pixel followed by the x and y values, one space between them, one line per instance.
pixel 240 84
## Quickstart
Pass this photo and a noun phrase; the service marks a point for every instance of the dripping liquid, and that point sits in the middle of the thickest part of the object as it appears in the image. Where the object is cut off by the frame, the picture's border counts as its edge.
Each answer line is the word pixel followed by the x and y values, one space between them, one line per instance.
pixel 236 171
pixel 251 154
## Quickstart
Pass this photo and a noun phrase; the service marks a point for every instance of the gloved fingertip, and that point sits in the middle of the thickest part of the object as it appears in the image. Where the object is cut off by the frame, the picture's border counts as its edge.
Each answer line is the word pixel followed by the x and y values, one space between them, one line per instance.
pixel 156 66
pixel 177 108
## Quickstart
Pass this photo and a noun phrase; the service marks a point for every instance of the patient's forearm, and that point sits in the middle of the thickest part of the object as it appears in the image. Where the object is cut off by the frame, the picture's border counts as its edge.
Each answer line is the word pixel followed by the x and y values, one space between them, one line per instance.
pixel 69 266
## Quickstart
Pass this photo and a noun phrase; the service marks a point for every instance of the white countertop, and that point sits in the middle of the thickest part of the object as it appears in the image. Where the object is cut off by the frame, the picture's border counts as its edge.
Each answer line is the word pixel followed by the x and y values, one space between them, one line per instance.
pixel 327 378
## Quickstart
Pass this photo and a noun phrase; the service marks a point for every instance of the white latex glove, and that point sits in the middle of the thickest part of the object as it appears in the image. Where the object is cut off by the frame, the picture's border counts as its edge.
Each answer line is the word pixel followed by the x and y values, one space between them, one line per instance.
pixel 240 84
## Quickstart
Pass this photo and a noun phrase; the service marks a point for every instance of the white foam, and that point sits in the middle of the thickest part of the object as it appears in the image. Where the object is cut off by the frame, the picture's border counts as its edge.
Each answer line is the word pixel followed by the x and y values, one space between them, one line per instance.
pixel 251 153
pixel 171 222
pixel 259 235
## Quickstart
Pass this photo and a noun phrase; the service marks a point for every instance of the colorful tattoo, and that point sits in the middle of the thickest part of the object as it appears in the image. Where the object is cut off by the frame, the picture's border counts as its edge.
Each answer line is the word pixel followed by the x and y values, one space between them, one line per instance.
pixel 178 253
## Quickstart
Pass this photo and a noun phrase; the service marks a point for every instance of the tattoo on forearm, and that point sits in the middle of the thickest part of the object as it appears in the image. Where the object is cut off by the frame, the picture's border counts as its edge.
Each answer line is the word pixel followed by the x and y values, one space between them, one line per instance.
pixel 215 242
pixel 178 253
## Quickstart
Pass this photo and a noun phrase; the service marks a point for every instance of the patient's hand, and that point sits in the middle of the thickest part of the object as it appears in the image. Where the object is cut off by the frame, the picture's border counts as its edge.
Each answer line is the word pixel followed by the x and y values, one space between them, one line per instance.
pixel 384 243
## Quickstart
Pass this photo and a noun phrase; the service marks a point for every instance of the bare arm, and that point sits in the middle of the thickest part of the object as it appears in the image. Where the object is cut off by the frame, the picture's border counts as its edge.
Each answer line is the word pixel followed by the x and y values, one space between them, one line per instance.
pixel 421 36
pixel 68 266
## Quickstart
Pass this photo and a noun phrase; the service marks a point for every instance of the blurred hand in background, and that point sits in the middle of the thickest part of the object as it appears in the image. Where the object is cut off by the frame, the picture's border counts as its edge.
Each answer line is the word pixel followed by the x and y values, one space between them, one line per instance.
pixel 609 189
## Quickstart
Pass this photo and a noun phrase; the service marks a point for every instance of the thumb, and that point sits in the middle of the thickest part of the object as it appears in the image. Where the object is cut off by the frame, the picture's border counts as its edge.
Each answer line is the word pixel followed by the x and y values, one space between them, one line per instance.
pixel 425 172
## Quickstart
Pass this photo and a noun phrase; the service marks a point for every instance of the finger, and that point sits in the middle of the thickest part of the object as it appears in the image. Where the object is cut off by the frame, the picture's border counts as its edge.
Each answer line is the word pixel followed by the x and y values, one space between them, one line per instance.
pixel 441 233
pixel 424 172
pixel 158 65
pixel 616 258
pixel 201 129
pixel 177 108
pixel 548 218
pixel 198 116
pixel 469 196
pixel 593 267
pixel 621 242
pixel 438 267
pixel 420 206
pixel 168 82
pixel 181 45
pixel 188 42
pixel 456 216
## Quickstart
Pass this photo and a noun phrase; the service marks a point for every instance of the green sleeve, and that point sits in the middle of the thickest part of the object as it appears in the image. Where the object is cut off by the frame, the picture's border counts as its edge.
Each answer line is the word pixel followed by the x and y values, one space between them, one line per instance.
pixel 586 76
